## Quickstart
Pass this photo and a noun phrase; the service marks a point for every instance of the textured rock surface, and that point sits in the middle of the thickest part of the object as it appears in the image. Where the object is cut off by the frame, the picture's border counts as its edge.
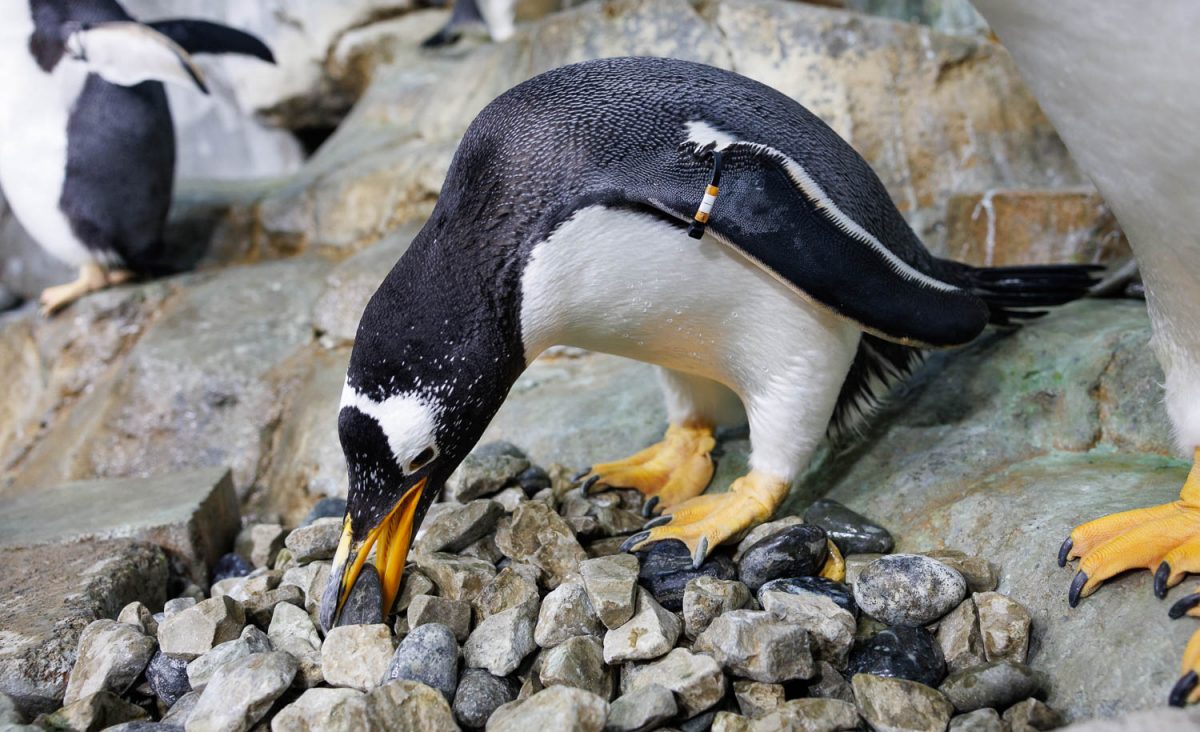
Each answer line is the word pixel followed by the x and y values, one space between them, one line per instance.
pixel 997 685
pixel 908 589
pixel 503 640
pixel 577 662
pixel 897 704
pixel 479 694
pixel 110 657
pixel 830 626
pixel 758 645
pixel 611 585
pixel 643 709
pixel 705 598
pixel 650 633
pixel 558 707
pixel 428 654
pixel 900 652
pixel 565 613
pixel 409 706
pixel 319 710
pixel 695 678
pixel 192 632
pixel 241 692
pixel 356 656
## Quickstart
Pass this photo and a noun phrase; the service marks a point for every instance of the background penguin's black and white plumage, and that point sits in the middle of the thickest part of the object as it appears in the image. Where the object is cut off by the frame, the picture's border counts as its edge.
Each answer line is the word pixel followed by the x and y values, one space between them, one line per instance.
pixel 563 220
pixel 497 16
pixel 87 146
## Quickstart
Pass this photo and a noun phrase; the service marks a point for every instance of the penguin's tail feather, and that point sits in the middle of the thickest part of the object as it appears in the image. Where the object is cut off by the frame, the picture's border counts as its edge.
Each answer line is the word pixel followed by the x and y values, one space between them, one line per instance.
pixel 1024 292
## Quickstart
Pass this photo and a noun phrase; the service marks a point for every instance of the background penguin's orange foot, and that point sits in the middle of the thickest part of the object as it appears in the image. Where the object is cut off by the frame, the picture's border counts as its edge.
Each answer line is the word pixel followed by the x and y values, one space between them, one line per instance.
pixel 1187 689
pixel 667 473
pixel 1163 539
pixel 706 521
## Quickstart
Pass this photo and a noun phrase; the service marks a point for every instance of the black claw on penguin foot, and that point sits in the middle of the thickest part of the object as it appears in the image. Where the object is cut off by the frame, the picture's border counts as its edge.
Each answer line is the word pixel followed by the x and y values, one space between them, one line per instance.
pixel 701 552
pixel 648 507
pixel 587 485
pixel 634 540
pixel 580 475
pixel 1064 551
pixel 657 521
pixel 1160 580
pixel 1183 689
pixel 1076 587
pixel 1179 609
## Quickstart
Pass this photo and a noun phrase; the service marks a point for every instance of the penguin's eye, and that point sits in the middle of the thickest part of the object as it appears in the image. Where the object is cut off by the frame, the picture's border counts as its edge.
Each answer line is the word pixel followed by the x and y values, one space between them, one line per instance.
pixel 421 460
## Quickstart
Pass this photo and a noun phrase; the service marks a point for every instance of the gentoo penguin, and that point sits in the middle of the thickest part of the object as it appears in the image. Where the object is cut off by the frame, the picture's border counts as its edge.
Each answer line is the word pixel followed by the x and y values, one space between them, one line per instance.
pixel 565 219
pixel 497 16
pixel 1121 86
pixel 87 147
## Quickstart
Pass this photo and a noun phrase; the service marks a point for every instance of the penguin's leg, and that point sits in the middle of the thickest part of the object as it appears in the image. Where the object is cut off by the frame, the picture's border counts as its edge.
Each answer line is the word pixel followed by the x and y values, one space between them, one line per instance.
pixel 1163 539
pixel 789 406
pixel 680 466
pixel 92 277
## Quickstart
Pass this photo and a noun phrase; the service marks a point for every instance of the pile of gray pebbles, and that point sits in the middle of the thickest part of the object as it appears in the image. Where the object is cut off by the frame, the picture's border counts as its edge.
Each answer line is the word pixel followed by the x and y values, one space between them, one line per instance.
pixel 519 612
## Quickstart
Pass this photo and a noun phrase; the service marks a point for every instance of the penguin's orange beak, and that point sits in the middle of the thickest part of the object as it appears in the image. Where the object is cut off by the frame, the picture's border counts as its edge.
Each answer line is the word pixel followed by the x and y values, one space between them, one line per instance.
pixel 391 540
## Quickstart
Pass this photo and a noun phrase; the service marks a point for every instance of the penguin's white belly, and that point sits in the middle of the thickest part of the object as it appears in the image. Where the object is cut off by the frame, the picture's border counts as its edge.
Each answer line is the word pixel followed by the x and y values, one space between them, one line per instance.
pixel 33 148
pixel 634 285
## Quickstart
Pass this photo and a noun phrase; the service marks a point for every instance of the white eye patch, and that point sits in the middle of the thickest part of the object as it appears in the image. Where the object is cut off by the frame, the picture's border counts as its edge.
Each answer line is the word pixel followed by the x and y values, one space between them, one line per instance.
pixel 407 420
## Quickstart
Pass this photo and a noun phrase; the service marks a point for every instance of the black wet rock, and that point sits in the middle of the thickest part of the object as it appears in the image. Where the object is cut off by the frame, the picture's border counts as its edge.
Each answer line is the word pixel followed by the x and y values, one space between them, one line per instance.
pixel 364 606
pixel 231 565
pixel 666 568
pixel 533 479
pixel 995 685
pixel 328 507
pixel 168 677
pixel 900 652
pixel 797 551
pixel 479 694
pixel 429 654
pixel 851 531
pixel 836 591
pixel 908 589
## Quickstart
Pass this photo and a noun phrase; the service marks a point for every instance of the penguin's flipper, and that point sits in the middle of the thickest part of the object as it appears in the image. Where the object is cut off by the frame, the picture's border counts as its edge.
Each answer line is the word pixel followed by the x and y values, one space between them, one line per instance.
pixel 202 36
pixel 772 211
pixel 128 53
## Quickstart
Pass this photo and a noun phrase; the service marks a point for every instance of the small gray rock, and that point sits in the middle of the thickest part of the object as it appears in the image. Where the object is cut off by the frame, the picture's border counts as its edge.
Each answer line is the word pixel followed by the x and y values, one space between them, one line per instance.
pixel 260 606
pixel 959 637
pixel 980 574
pixel 454 614
pixel 578 662
pixel 292 630
pixel 177 715
pixel 554 708
pixel 514 585
pixel 458 578
pixel 311 579
pixel 980 720
pixel 1032 714
pixel 830 684
pixel 327 507
pixel 503 640
pixel 356 656
pixel 260 543
pixel 830 626
pixel 537 535
pixel 251 641
pixel 829 715
pixel 486 470
pixel 908 589
pixel 324 710
pixel 241 692
pixel 193 632
pixel 759 646
pixel 1004 625
pixel 651 632
pixel 413 584
pixel 899 704
pixel 409 706
pixel 140 617
pixel 179 604
pixel 644 709
pixel 566 612
pixel 318 540
pixel 704 598
pixel 480 694
pixel 429 654
pixel 695 679
pixel 756 698
pixel 111 656
pixel 168 677
pixel 996 685
pixel 364 605
pixel 454 531
pixel 611 585
pixel 93 712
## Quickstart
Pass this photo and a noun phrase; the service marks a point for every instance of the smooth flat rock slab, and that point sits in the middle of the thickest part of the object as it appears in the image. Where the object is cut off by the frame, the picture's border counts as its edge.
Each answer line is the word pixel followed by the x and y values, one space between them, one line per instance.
pixel 193 516
pixel 50 593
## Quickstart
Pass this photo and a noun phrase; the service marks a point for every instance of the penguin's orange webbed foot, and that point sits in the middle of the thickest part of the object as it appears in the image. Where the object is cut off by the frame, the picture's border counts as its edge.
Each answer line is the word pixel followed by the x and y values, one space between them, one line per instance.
pixel 1163 539
pixel 667 473
pixel 92 277
pixel 707 521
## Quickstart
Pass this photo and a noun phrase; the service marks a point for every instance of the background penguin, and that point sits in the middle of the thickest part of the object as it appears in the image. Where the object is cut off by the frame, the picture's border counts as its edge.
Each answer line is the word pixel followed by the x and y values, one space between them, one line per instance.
pixel 498 16
pixel 1122 88
pixel 87 146
pixel 564 219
